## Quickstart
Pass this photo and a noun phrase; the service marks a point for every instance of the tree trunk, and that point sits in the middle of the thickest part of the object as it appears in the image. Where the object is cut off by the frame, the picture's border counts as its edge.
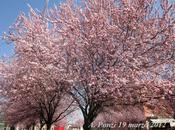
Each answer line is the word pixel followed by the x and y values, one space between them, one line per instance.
pixel 12 128
pixel 86 126
pixel 28 127
pixel 41 126
pixel 127 126
pixel 48 126
pixel 33 127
